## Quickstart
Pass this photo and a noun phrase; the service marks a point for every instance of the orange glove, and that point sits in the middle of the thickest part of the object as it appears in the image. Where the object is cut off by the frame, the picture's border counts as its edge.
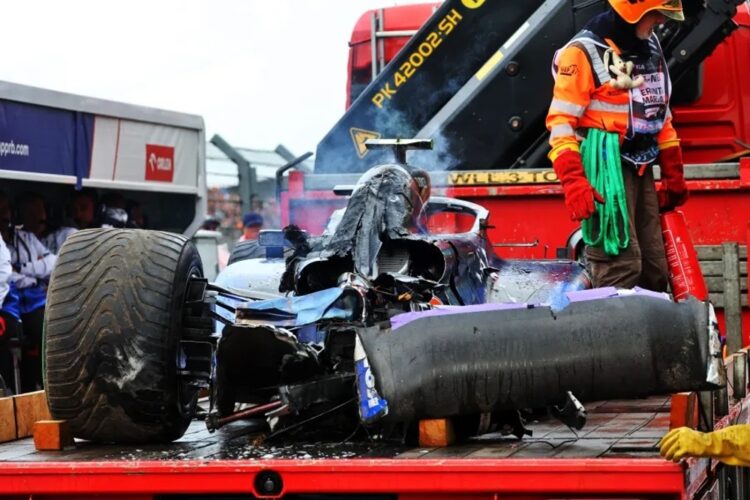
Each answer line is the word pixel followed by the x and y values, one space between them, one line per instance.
pixel 673 191
pixel 579 195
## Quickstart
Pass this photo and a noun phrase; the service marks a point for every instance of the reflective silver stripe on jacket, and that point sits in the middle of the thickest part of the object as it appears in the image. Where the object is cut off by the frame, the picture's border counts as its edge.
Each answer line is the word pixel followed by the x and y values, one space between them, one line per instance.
pixel 597 105
pixel 561 130
pixel 567 107
pixel 602 73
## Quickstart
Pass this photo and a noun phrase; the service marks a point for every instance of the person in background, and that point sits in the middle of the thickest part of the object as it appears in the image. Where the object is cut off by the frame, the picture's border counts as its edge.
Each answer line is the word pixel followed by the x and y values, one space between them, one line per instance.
pixel 9 322
pixel 32 265
pixel 83 208
pixel 136 217
pixel 6 269
pixel 113 211
pixel 114 199
pixel 252 223
pixel 33 212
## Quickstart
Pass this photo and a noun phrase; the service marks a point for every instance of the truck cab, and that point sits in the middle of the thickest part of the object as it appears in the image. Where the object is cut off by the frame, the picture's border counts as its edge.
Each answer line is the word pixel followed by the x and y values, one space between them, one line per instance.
pixel 485 109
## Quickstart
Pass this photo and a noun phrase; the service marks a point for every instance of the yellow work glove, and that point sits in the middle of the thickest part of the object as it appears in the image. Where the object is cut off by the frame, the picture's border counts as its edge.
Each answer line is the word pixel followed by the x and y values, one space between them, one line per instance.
pixel 730 445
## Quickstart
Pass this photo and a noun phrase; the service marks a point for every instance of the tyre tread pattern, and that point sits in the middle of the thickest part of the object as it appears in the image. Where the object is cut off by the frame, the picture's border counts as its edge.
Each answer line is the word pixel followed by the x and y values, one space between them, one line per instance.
pixel 110 339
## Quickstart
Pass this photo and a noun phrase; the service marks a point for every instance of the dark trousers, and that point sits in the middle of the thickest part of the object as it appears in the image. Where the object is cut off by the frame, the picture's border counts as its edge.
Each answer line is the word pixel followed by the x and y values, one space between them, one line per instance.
pixel 11 339
pixel 643 263
pixel 31 353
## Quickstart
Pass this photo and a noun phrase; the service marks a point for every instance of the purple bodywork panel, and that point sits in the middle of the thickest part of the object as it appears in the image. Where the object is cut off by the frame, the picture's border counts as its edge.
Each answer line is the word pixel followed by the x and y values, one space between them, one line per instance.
pixel 572 296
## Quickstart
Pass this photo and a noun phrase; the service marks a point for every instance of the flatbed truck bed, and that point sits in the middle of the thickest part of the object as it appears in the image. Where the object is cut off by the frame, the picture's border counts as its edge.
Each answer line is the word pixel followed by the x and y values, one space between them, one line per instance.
pixel 615 454
pixel 623 429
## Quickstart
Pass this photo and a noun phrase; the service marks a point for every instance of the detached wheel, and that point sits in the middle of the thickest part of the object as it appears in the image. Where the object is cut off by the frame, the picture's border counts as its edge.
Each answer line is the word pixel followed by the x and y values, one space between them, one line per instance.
pixel 245 250
pixel 112 335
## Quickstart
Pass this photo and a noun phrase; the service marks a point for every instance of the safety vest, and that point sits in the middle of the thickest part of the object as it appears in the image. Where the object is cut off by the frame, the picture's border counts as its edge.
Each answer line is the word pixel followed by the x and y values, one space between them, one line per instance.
pixel 584 97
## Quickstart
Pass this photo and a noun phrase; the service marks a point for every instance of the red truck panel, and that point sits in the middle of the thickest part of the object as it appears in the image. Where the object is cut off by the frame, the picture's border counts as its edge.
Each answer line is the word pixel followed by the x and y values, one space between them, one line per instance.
pixel 413 479
pixel 717 125
pixel 714 127
pixel 400 18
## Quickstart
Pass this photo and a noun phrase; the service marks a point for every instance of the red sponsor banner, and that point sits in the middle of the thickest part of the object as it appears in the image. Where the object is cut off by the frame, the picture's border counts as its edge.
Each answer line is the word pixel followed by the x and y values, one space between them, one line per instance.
pixel 159 163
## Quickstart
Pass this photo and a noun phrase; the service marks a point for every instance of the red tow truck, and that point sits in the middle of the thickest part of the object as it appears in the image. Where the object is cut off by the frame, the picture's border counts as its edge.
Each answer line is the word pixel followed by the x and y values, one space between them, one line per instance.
pixel 711 110
pixel 427 71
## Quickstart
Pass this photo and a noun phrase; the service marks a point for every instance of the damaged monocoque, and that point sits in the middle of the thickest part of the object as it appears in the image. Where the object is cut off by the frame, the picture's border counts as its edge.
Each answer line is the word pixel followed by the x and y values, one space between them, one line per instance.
pixel 402 308
pixel 399 311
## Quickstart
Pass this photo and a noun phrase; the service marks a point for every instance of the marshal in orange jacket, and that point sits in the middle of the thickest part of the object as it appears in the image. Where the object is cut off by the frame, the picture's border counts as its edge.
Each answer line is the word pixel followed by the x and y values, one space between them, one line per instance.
pixel 586 95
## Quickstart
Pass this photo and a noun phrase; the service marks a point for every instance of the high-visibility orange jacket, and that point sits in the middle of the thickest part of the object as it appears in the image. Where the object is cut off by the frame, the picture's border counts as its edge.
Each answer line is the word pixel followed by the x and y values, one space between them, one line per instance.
pixel 584 96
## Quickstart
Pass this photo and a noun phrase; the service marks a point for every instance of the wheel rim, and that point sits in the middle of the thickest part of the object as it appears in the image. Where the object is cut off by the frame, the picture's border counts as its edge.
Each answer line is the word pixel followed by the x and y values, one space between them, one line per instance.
pixel 186 394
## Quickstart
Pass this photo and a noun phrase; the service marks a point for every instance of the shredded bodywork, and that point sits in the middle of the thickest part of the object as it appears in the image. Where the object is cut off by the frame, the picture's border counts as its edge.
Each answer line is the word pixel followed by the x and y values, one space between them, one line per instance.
pixel 415 321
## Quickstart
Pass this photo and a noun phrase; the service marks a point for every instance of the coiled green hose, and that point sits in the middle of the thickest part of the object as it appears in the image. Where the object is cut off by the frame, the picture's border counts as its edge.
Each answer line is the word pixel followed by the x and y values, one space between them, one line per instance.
pixel 600 152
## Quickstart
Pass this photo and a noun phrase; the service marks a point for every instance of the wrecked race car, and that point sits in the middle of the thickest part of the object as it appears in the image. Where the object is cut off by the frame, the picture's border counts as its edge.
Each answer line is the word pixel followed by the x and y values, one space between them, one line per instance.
pixel 400 311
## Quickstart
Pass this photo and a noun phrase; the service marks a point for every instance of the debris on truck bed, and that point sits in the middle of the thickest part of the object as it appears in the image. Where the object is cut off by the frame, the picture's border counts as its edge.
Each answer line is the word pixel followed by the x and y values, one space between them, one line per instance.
pixel 626 428
pixel 384 320
pixel 427 324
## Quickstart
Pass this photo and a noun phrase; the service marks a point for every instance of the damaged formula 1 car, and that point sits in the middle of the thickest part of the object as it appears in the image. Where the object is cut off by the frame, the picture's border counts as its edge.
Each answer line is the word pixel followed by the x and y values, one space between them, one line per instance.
pixel 400 311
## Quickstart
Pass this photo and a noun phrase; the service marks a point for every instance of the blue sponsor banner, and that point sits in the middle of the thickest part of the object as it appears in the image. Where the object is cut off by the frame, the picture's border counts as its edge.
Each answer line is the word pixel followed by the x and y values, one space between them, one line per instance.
pixel 45 140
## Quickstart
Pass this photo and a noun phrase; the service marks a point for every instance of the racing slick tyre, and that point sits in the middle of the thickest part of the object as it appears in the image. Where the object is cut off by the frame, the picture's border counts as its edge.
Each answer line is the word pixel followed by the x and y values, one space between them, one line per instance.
pixel 244 250
pixel 112 335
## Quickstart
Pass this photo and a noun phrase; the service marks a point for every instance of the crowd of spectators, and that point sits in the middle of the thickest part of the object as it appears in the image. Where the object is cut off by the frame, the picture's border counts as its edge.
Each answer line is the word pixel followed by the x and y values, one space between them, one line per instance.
pixel 225 214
